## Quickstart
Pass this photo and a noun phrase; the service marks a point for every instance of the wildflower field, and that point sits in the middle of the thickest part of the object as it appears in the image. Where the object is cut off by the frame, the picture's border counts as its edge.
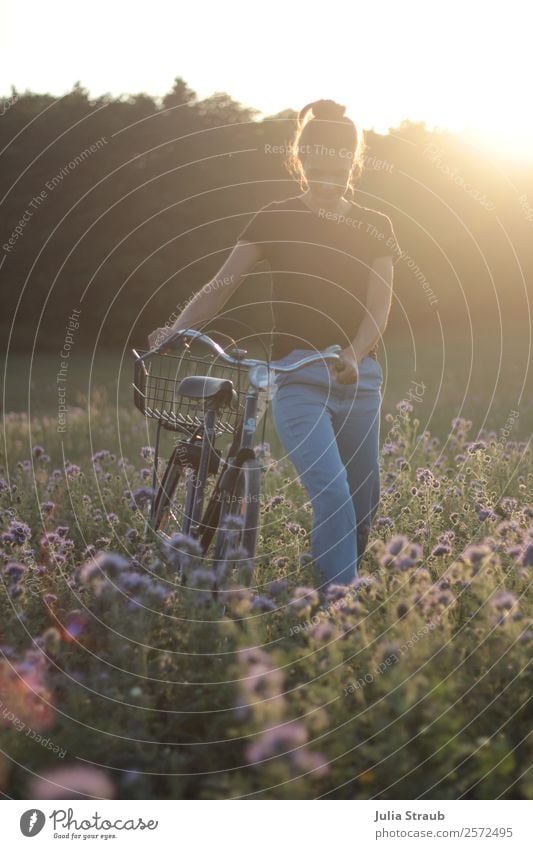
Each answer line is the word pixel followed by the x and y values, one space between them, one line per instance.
pixel 117 681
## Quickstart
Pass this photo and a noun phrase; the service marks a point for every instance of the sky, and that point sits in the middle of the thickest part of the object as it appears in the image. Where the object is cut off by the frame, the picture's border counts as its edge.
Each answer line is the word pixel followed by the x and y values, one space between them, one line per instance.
pixel 464 65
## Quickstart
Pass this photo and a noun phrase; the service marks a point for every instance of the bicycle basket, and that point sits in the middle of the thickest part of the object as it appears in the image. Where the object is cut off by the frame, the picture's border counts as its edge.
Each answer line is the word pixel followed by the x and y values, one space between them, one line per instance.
pixel 155 389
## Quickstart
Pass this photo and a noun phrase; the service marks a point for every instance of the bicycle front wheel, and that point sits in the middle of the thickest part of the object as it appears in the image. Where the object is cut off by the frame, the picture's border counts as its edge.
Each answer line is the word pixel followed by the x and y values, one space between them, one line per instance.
pixel 243 502
pixel 164 496
pixel 165 501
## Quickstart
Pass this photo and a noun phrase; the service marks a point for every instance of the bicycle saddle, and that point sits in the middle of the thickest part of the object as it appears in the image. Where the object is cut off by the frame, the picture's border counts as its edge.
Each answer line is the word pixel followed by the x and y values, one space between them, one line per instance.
pixel 215 389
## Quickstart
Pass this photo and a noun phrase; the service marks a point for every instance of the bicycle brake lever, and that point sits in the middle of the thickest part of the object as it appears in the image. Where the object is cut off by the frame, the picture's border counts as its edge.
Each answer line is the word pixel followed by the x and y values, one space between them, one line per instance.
pixel 238 353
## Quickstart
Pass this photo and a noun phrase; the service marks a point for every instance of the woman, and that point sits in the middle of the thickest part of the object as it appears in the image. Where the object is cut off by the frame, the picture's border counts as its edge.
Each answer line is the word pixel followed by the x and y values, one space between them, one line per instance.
pixel 331 263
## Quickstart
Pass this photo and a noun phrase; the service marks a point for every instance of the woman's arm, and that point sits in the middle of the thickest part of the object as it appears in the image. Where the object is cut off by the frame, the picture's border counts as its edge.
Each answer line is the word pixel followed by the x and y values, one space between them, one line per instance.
pixel 378 302
pixel 209 300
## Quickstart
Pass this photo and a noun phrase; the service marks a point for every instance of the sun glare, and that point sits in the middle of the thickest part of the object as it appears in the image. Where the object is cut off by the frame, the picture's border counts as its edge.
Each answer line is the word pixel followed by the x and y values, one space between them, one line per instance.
pixel 463 67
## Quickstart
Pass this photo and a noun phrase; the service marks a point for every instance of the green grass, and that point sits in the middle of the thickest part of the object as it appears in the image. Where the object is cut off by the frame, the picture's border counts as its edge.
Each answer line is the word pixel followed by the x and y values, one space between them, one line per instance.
pixel 486 391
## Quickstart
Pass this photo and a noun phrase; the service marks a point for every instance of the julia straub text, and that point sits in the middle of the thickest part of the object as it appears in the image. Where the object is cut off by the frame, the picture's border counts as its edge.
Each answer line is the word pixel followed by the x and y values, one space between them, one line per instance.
pixel 408 815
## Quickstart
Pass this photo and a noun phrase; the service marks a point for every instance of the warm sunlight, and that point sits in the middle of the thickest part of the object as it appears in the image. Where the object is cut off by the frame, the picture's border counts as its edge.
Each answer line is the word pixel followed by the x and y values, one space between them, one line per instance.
pixel 464 67
pixel 266 525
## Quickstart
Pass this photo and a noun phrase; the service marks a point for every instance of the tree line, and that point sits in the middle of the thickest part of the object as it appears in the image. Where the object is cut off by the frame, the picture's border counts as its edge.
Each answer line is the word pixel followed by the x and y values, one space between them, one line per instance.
pixel 123 207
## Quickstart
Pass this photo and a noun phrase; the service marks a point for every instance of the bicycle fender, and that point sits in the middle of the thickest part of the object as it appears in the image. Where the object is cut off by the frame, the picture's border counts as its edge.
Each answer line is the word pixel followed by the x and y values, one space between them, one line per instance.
pixel 229 476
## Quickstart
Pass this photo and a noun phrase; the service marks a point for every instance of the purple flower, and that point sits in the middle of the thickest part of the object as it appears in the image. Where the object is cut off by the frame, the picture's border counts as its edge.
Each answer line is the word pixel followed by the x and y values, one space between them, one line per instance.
pixel 181 551
pixel 389 448
pixel 252 656
pixel 526 558
pixel 76 623
pixel 446 536
pixel 262 682
pixel 100 455
pixel 396 544
pixel 49 598
pixel 14 571
pixel 362 582
pixel 304 559
pixel 314 762
pixel 141 496
pixel 263 604
pixel 280 562
pixel 133 581
pixel 388 651
pixel 461 424
pixel 509 505
pixel 400 553
pixel 59 559
pixel 475 553
pixel 485 513
pixel 80 781
pixel 276 588
pixel 50 539
pixel 38 451
pixel 322 631
pixel 503 601
pixel 202 578
pixel 526 636
pixel 233 523
pixel 405 561
pixel 72 470
pixel 102 565
pixel 446 598
pixel 158 592
pixel 17 533
pixel 384 522
pixel 425 477
pixel 275 501
pixel 277 741
pixel 335 592
pixel 476 446
pixel 304 598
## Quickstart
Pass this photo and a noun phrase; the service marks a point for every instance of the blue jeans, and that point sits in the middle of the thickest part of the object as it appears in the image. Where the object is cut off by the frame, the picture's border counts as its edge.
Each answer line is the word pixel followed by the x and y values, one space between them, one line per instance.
pixel 330 432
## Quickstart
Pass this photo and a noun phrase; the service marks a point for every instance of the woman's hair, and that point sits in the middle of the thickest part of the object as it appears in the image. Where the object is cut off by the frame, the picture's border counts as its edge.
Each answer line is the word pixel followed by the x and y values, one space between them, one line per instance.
pixel 323 122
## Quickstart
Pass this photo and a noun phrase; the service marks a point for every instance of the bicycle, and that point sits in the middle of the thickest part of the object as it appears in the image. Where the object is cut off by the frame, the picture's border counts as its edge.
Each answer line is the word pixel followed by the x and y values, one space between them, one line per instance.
pixel 172 389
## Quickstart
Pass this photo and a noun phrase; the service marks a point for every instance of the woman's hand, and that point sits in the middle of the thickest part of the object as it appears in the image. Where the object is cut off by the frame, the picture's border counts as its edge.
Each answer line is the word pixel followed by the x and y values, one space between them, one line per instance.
pixel 345 370
pixel 157 337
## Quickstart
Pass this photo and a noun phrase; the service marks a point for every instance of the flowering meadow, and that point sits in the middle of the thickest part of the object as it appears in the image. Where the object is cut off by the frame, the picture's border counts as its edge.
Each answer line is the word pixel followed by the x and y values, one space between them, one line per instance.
pixel 123 675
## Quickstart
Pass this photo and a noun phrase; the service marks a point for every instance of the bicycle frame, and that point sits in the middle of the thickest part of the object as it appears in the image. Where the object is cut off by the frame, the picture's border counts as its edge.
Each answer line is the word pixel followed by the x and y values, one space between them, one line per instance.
pixel 259 380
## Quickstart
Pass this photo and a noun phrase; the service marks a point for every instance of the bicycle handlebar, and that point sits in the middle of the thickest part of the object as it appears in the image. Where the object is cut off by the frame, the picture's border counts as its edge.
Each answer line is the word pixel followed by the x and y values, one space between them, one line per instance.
pixel 332 352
